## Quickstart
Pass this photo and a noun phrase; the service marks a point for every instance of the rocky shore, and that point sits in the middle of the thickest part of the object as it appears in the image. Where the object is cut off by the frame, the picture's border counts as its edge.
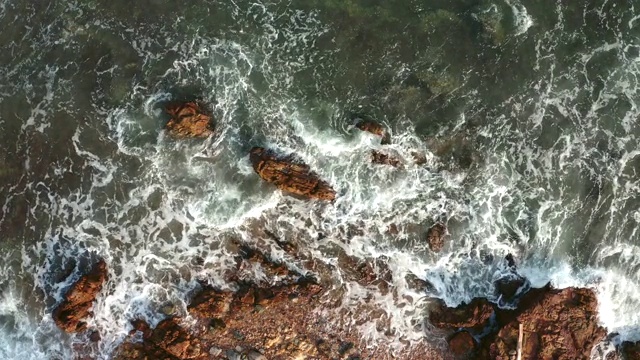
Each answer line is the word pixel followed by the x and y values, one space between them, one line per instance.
pixel 296 315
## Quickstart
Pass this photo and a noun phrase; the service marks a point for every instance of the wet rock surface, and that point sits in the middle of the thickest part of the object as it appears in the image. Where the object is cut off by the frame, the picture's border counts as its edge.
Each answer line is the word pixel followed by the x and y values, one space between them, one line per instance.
pixel 557 324
pixel 474 315
pixel 289 175
pixel 436 236
pixel 381 158
pixel 285 321
pixel 188 120
pixel 375 128
pixel 76 306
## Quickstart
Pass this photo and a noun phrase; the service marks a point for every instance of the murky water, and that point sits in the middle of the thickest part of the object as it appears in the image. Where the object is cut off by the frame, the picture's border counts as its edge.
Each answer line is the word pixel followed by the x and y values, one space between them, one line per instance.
pixel 526 112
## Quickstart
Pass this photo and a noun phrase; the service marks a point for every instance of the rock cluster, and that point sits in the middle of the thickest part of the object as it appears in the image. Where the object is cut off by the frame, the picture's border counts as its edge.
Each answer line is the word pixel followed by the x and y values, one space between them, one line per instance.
pixel 557 324
pixel 289 175
pixel 255 321
pixel 76 306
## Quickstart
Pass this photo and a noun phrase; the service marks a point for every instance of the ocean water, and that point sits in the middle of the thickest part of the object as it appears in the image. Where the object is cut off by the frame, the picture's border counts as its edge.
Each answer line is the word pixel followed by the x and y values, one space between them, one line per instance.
pixel 525 111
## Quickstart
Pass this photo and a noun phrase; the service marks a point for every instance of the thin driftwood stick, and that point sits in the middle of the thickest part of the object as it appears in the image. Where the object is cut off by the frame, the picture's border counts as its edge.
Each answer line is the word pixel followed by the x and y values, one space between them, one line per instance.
pixel 520 328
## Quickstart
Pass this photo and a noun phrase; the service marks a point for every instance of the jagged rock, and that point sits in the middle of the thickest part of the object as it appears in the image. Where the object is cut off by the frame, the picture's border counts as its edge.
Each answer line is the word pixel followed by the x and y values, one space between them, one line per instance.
pixel 558 324
pixel 374 128
pixel 417 284
pixel 474 315
pixel 436 236
pixel 290 176
pixel 508 287
pixel 188 120
pixel 378 157
pixel 78 301
pixel 462 343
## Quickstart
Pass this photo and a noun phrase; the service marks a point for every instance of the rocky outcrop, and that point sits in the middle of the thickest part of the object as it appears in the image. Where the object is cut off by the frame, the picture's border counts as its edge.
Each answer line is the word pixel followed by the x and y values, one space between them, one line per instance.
pixel 561 324
pixel 78 301
pixel 436 236
pixel 188 120
pixel 289 175
pixel 557 324
pixel 289 320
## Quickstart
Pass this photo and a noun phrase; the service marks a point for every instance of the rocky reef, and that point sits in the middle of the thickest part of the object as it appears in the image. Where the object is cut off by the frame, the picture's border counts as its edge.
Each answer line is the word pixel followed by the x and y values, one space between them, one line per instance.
pixel 288 320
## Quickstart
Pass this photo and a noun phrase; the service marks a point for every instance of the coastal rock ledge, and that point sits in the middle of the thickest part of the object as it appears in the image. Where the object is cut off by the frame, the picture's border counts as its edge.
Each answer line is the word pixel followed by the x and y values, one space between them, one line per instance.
pixel 558 324
pixel 289 175
pixel 76 306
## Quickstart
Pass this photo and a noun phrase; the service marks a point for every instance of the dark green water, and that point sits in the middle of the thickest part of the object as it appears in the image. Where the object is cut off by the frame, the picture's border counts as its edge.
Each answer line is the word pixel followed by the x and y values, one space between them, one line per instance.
pixel 526 111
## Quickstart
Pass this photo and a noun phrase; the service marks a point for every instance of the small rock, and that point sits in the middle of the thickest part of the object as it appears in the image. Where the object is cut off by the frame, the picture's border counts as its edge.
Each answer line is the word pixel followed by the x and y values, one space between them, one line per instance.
pixel 214 351
pixel 374 128
pixel 419 158
pixel 169 309
pixel 94 336
pixel 238 335
pixel 436 236
pixel 188 120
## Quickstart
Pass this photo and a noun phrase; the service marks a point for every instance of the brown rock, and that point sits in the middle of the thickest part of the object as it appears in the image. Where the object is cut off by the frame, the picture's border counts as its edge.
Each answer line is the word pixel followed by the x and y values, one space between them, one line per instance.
pixel 380 158
pixel 436 236
pixel 289 176
pixel 78 300
pixel 558 324
pixel 419 158
pixel 474 315
pixel 188 120
pixel 462 343
pixel 374 128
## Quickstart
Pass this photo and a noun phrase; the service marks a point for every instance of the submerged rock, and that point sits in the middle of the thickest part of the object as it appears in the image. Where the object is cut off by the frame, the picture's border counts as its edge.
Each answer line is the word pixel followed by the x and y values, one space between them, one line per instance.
pixel 374 128
pixel 417 284
pixel 188 120
pixel 290 176
pixel 378 157
pixel 78 301
pixel 436 236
